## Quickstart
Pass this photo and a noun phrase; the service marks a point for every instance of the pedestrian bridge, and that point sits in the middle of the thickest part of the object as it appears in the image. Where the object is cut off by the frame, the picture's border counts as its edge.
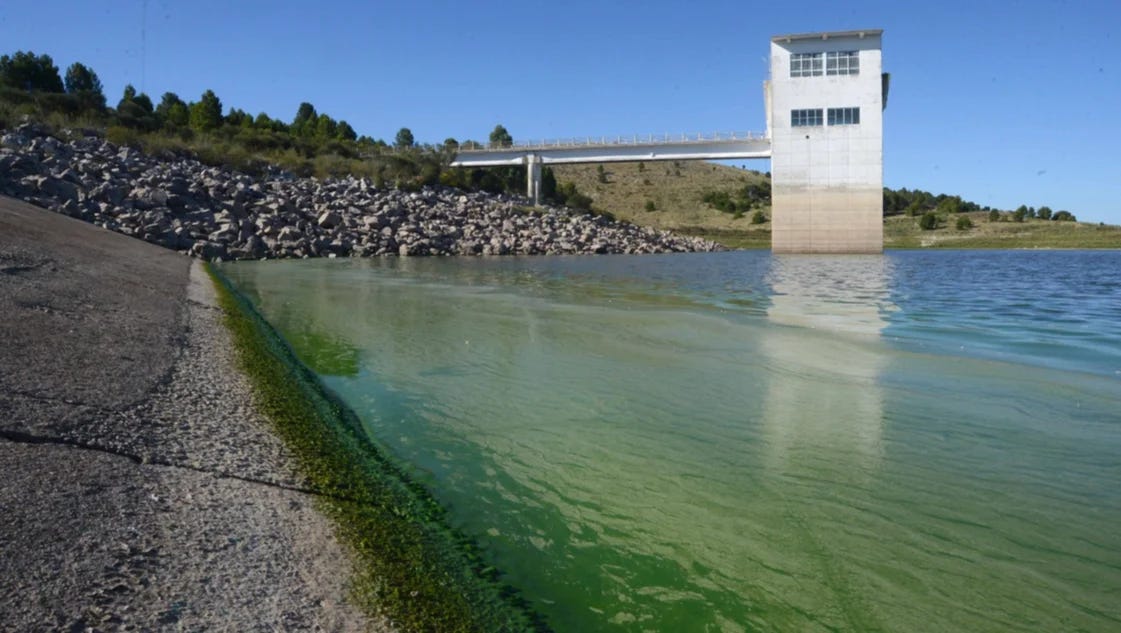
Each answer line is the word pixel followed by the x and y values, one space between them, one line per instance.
pixel 731 146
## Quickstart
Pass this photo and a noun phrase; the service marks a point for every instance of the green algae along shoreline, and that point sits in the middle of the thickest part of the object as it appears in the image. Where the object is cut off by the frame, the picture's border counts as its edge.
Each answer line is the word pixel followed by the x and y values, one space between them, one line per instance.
pixel 410 564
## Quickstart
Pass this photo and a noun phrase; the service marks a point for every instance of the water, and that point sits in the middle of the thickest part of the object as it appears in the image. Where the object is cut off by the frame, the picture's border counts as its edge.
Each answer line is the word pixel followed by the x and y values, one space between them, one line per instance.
pixel 743 442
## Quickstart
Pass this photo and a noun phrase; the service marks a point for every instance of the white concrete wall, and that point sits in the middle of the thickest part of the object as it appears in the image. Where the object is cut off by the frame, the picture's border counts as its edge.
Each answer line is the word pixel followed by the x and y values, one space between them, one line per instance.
pixel 827 181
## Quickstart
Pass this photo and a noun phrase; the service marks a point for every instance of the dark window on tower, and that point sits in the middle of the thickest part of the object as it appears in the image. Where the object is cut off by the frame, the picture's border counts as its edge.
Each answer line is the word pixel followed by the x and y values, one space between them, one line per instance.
pixel 805 64
pixel 805 118
pixel 842 63
pixel 844 116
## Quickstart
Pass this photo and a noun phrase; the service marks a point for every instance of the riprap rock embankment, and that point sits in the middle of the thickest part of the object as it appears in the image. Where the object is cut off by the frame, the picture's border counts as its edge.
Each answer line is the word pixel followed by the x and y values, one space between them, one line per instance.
pixel 217 213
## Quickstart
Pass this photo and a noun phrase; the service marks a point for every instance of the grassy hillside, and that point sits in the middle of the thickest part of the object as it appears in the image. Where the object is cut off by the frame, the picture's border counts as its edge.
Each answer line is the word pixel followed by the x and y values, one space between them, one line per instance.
pixel 904 232
pixel 676 190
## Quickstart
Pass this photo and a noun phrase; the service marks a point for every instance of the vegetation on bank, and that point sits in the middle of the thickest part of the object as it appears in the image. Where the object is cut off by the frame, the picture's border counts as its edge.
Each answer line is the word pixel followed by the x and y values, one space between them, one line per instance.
pixel 410 565
pixel 313 143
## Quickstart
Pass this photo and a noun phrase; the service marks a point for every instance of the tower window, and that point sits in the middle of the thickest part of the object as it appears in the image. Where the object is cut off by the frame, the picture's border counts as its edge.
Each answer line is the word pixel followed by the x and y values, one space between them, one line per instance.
pixel 842 63
pixel 805 118
pixel 843 116
pixel 805 64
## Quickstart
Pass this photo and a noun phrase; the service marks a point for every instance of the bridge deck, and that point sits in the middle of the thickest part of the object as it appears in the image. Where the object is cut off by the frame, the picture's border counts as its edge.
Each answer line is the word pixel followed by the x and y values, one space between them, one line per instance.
pixel 620 149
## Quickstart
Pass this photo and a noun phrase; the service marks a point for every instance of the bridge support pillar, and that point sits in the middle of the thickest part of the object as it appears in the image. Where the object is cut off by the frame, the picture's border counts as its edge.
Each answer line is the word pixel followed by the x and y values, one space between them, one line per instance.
pixel 533 178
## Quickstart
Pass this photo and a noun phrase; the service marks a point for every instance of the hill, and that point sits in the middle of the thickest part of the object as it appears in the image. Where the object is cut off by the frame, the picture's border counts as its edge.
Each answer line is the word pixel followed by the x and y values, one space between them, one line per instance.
pixel 676 190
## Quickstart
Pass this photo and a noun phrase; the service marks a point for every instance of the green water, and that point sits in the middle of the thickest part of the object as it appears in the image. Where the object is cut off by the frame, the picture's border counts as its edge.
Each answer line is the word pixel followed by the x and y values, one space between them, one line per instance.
pixel 741 442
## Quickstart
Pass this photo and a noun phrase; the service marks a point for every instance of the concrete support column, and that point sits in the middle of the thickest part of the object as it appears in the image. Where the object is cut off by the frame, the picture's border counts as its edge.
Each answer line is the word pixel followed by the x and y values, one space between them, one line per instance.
pixel 533 178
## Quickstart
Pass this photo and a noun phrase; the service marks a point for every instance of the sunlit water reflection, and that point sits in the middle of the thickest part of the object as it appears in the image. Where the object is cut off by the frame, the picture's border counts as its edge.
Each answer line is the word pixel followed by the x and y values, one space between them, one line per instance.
pixel 745 442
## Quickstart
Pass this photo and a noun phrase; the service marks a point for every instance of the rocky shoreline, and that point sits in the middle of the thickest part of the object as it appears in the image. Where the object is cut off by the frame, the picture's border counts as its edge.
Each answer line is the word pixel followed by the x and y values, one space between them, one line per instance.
pixel 218 214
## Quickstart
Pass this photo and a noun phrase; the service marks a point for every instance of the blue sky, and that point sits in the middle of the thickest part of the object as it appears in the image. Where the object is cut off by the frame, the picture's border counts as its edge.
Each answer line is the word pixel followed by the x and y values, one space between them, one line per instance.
pixel 1003 103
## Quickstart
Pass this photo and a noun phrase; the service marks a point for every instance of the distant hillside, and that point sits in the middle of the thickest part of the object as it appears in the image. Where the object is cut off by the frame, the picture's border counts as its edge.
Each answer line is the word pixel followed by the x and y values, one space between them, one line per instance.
pixel 676 189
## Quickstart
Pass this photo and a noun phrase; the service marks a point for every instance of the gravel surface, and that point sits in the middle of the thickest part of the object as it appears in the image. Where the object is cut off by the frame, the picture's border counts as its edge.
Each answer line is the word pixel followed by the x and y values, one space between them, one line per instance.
pixel 141 489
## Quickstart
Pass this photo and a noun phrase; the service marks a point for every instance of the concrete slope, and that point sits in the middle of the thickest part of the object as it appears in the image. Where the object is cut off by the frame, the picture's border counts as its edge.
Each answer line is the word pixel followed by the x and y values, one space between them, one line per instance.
pixel 141 489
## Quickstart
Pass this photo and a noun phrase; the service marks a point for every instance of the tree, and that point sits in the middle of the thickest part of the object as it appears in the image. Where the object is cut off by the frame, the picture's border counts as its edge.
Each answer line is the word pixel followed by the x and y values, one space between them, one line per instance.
pixel 928 221
pixel 135 110
pixel 1064 216
pixel 172 112
pixel 950 204
pixel 305 121
pixel 345 132
pixel 601 173
pixel 994 216
pixel 325 127
pixel 239 118
pixel 404 138
pixel 548 184
pixel 758 217
pixel 206 114
pixel 499 137
pixel 964 223
pixel 1044 213
pixel 26 71
pixel 83 84
pixel 1019 214
pixel 451 145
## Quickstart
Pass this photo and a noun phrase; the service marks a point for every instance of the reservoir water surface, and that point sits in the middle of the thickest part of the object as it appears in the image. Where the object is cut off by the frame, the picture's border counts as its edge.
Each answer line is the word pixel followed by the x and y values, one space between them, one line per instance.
pixel 923 441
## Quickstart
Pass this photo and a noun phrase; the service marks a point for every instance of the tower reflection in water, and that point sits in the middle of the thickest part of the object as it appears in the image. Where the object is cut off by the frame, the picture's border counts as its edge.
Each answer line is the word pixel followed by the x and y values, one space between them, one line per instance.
pixel 823 407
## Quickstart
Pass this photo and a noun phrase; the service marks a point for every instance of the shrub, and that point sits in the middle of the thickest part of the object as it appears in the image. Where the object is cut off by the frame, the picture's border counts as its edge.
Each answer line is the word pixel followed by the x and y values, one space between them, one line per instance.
pixel 994 216
pixel 758 217
pixel 121 135
pixel 650 206
pixel 964 223
pixel 928 221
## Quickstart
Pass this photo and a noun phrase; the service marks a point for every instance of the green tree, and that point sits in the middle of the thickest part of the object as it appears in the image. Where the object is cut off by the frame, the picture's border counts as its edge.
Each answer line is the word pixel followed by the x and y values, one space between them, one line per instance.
pixel 928 221
pixel 305 121
pixel 758 217
pixel 135 110
pixel 34 73
pixel 345 132
pixel 1019 214
pixel 499 137
pixel 549 184
pixel 239 118
pixel 1044 213
pixel 325 127
pixel 601 173
pixel 404 138
pixel 994 216
pixel 83 84
pixel 206 114
pixel 172 112
pixel 1064 216
pixel 964 223
pixel 950 204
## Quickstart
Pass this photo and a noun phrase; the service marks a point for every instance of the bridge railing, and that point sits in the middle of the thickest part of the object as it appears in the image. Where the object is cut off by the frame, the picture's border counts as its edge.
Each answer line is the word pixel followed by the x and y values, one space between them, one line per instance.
pixel 609 141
